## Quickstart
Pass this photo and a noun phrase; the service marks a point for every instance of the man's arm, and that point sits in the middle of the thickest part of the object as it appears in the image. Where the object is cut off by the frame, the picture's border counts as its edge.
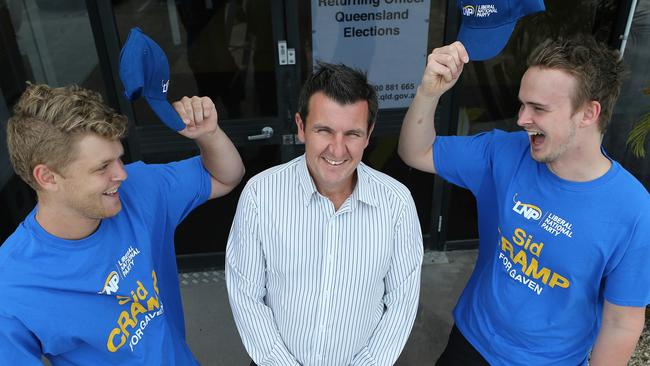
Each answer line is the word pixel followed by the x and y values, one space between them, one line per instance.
pixel 401 295
pixel 219 155
pixel 620 330
pixel 444 66
pixel 246 283
pixel 18 346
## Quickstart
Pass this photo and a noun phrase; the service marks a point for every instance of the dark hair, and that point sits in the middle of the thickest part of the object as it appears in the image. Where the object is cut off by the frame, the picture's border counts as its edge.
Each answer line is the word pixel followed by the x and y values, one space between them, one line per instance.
pixel 597 69
pixel 340 83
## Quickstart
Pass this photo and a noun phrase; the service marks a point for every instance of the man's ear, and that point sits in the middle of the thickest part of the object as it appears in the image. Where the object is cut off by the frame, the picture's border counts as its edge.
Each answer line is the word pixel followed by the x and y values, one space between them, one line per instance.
pixel 300 127
pixel 46 178
pixel 591 113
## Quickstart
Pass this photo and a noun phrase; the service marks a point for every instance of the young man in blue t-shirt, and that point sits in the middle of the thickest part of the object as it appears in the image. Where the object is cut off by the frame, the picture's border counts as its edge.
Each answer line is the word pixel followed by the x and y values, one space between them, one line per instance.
pixel 90 277
pixel 564 230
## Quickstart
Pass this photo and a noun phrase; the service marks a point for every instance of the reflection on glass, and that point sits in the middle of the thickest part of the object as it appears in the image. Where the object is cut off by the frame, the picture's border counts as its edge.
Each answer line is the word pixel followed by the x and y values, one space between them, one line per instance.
pixel 47 42
pixel 221 49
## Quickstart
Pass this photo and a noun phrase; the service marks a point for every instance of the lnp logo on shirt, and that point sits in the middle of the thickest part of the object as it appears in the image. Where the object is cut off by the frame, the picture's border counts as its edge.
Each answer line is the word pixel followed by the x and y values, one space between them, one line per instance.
pixel 526 209
pixel 551 222
pixel 111 285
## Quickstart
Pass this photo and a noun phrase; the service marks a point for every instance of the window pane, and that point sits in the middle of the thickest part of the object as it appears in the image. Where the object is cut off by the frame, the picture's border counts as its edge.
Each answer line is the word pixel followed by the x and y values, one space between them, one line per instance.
pixel 216 48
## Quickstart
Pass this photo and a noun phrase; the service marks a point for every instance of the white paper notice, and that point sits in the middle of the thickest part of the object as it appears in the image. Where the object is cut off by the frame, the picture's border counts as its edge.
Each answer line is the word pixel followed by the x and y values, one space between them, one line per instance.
pixel 385 38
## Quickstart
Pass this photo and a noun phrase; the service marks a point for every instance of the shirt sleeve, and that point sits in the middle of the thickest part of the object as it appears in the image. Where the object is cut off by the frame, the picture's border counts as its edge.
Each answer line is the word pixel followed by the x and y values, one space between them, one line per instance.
pixel 18 346
pixel 628 284
pixel 464 160
pixel 246 283
pixel 184 184
pixel 401 296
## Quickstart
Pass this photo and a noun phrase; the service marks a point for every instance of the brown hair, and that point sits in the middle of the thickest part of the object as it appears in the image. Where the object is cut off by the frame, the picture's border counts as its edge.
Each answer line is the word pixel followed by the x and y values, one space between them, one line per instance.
pixel 597 69
pixel 341 83
pixel 47 122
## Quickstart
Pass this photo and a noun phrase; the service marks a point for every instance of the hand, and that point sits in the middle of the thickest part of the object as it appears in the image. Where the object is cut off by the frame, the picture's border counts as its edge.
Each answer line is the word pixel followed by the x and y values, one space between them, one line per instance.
pixel 199 115
pixel 444 66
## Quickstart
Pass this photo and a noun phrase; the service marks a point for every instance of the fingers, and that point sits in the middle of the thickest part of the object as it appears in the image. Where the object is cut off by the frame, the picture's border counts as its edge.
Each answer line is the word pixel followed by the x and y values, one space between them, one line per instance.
pixel 193 111
pixel 447 61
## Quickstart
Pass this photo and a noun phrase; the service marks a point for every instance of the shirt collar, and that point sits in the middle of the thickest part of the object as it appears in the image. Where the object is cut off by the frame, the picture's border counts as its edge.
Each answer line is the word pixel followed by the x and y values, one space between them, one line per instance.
pixel 362 191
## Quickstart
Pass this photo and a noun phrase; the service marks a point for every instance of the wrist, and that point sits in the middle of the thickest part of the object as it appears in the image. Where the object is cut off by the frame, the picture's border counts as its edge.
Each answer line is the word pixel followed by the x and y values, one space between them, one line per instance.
pixel 424 94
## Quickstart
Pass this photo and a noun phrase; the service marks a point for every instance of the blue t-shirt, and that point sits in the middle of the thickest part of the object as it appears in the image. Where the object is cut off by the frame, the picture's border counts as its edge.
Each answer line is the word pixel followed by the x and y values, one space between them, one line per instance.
pixel 550 250
pixel 112 298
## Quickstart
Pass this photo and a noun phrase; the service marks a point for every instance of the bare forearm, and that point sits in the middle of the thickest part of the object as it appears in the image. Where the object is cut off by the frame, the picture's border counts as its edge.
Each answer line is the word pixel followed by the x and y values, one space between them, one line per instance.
pixel 220 158
pixel 619 332
pixel 444 66
pixel 614 347
pixel 418 130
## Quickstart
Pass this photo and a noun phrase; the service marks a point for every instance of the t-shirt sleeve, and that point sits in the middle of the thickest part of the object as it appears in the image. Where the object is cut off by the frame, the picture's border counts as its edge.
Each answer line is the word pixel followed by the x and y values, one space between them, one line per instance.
pixel 464 160
pixel 628 283
pixel 183 185
pixel 18 346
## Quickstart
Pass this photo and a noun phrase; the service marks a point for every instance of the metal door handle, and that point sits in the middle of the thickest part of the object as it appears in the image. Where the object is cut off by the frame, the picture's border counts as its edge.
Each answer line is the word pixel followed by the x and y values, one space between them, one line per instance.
pixel 267 132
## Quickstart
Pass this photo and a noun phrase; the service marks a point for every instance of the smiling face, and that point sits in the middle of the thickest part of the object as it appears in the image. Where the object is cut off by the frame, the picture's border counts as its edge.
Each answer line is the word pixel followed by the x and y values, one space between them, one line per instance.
pixel 547 113
pixel 89 184
pixel 335 137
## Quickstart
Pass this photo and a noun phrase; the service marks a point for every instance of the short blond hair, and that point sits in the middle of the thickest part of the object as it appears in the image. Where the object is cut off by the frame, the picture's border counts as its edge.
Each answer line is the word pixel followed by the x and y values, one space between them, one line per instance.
pixel 47 122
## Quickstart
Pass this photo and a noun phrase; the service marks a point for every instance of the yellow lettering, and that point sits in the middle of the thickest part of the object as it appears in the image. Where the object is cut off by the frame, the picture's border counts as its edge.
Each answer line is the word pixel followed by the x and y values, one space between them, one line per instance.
pixel 521 259
pixel 153 303
pixel 557 280
pixel 519 236
pixel 155 282
pixel 111 345
pixel 544 273
pixel 122 299
pixel 136 309
pixel 124 320
pixel 506 246
pixel 141 291
pixel 536 248
pixel 530 237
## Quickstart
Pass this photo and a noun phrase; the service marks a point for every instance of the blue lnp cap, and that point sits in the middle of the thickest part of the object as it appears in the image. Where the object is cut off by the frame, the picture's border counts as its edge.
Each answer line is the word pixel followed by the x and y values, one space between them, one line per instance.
pixel 144 71
pixel 486 25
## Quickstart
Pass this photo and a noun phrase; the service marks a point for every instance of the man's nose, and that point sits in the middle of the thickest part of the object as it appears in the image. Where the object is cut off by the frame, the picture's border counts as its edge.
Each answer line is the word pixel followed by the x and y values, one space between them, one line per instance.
pixel 119 173
pixel 523 117
pixel 337 145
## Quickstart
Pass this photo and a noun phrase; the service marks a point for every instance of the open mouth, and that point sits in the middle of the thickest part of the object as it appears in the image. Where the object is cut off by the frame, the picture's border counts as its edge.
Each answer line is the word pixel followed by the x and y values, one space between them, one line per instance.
pixel 536 137
pixel 334 162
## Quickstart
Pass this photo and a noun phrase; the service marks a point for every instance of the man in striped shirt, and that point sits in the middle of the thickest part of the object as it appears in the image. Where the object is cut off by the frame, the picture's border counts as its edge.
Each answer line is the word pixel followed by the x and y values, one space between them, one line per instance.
pixel 323 259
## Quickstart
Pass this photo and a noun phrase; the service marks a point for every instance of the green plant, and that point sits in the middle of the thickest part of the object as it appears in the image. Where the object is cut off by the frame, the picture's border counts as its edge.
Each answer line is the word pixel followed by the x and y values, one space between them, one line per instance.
pixel 636 138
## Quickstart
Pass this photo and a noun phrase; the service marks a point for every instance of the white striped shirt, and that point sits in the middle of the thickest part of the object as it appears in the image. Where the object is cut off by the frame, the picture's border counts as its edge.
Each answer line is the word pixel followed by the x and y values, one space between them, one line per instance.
pixel 309 285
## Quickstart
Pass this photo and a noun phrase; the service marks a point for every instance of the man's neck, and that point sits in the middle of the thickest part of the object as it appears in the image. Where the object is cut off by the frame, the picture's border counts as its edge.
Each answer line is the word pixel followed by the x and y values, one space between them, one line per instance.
pixel 65 225
pixel 584 163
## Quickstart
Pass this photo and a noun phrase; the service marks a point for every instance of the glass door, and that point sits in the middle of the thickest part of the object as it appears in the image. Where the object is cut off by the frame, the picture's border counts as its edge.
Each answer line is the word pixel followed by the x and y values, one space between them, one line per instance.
pixel 229 51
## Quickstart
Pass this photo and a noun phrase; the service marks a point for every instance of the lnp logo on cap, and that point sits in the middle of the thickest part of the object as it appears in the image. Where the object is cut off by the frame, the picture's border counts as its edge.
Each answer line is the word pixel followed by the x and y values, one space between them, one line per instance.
pixel 479 11
pixel 165 86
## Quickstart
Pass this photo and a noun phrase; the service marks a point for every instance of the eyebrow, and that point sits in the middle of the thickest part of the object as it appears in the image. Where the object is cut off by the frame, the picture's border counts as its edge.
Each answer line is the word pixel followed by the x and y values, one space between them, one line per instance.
pixel 98 165
pixel 534 104
pixel 356 130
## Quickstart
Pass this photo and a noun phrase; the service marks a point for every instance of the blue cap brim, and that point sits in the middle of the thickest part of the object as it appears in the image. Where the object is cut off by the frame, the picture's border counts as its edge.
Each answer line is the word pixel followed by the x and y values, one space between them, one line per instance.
pixel 166 113
pixel 485 43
